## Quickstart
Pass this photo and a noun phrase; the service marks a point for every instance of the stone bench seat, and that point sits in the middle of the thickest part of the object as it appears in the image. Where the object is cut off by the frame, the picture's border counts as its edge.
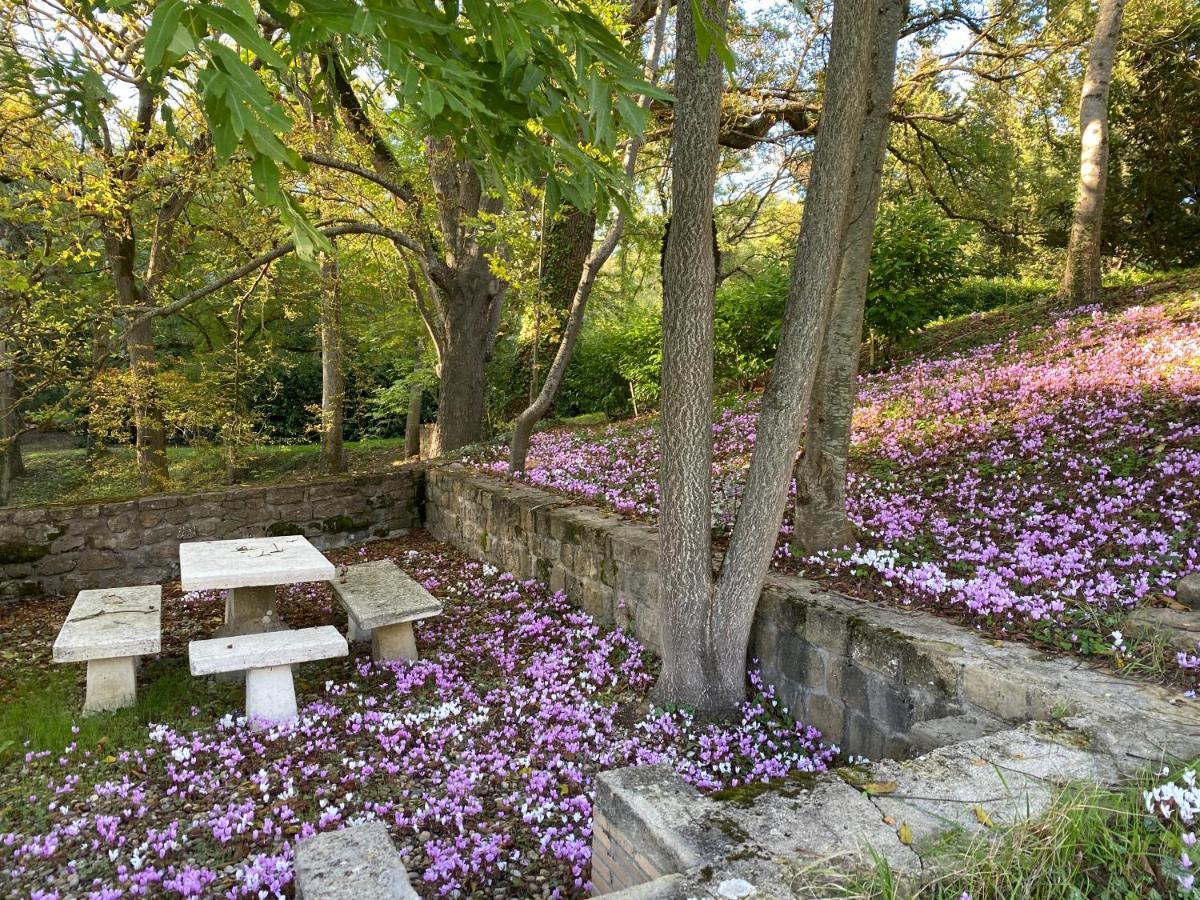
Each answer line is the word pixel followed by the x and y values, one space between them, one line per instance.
pixel 109 629
pixel 382 602
pixel 267 660
pixel 356 863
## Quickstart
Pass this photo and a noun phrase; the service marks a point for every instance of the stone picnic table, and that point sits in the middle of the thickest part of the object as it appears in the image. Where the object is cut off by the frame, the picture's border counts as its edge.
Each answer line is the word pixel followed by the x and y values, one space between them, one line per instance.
pixel 249 569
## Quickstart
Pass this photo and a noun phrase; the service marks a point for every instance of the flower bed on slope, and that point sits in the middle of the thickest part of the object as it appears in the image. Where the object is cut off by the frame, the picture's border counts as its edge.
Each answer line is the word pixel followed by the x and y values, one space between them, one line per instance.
pixel 480 758
pixel 1040 486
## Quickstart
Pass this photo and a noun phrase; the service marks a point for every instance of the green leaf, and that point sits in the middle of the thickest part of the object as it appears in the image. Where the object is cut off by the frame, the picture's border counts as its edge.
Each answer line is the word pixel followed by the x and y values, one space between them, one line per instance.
pixel 161 33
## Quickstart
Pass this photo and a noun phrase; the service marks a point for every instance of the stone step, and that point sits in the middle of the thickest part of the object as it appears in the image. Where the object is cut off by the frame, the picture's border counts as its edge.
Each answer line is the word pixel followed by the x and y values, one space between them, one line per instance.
pixel 265 650
pixel 356 863
pixel 933 733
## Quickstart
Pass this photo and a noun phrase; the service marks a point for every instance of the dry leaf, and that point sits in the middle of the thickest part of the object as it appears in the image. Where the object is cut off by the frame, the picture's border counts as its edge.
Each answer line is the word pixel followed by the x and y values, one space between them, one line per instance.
pixel 905 834
pixel 984 819
pixel 875 788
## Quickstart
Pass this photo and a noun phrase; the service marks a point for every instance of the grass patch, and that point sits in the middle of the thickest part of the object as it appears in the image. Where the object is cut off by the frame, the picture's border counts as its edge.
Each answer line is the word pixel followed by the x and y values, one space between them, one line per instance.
pixel 1092 843
pixel 43 713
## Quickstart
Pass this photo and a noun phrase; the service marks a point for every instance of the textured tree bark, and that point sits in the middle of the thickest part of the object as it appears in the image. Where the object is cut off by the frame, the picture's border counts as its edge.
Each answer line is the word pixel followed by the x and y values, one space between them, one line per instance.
pixel 1081 275
pixel 706 627
pixel 462 358
pixel 820 511
pixel 333 376
pixel 690 670
pixel 412 425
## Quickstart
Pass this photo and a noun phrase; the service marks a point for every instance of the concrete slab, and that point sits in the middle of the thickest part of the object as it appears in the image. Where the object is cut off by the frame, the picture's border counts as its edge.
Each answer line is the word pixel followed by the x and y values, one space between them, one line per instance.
pixel 251 562
pixel 356 863
pixel 109 623
pixel 380 593
pixel 258 651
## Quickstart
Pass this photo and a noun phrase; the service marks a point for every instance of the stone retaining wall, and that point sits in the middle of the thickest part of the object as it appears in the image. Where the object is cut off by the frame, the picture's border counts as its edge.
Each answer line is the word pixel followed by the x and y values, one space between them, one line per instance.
pixel 879 682
pixel 64 548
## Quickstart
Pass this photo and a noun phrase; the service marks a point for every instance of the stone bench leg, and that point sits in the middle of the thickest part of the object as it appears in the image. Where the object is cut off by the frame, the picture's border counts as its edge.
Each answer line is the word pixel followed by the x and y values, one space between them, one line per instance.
pixel 249 604
pixel 271 694
pixel 111 684
pixel 394 642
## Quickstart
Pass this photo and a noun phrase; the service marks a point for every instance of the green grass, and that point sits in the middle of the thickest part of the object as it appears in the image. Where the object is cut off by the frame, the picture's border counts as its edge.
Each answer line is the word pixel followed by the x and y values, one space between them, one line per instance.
pixel 1092 844
pixel 65 476
pixel 42 712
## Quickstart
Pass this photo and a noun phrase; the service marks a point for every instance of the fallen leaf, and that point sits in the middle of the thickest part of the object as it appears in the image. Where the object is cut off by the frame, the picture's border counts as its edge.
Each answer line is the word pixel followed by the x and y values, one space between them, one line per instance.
pixel 984 819
pixel 875 788
pixel 905 834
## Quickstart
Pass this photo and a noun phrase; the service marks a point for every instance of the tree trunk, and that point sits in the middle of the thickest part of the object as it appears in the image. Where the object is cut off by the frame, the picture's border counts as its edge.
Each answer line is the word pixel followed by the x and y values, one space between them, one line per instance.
pixel 11 464
pixel 462 360
pixel 333 378
pixel 820 512
pixel 412 425
pixel 690 664
pixel 540 405
pixel 151 439
pixel 1081 276
pixel 569 239
pixel 707 630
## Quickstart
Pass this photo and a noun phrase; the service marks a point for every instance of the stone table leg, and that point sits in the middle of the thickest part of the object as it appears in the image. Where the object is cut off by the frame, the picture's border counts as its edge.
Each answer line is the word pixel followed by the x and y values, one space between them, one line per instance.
pixel 248 604
pixel 394 642
pixel 271 694
pixel 111 684
pixel 354 633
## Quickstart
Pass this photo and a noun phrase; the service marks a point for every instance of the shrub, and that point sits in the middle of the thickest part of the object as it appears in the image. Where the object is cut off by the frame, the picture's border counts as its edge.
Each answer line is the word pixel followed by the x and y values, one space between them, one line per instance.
pixel 916 259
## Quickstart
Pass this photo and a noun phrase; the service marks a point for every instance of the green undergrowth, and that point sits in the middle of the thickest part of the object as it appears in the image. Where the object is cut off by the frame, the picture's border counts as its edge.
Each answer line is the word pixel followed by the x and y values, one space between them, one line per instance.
pixel 66 476
pixel 1092 844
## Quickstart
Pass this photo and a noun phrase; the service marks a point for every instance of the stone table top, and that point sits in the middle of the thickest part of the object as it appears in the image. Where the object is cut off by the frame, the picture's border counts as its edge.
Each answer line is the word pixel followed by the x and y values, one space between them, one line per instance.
pixel 251 562
pixel 111 623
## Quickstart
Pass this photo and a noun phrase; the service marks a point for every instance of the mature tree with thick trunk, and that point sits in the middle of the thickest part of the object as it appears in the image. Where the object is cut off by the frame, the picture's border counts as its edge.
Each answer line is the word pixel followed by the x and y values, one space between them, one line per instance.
pixel 1081 276
pixel 412 423
pixel 820 521
pixel 706 622
pixel 571 276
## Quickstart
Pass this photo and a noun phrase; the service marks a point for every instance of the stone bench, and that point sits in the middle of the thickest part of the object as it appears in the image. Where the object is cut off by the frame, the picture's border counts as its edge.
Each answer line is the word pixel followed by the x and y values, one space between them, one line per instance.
pixel 356 863
pixel 267 660
pixel 109 629
pixel 382 602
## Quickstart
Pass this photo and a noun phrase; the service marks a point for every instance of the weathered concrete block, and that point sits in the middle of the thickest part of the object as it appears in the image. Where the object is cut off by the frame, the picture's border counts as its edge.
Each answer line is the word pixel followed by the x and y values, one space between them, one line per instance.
pixel 356 863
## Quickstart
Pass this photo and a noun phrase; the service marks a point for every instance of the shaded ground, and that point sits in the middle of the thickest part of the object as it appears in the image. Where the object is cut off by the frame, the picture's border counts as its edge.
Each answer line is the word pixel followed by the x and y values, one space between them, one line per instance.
pixel 64 476
pixel 480 757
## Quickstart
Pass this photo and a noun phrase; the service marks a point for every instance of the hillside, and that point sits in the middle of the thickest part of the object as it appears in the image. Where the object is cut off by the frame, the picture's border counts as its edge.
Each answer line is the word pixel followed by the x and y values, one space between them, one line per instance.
pixel 1035 473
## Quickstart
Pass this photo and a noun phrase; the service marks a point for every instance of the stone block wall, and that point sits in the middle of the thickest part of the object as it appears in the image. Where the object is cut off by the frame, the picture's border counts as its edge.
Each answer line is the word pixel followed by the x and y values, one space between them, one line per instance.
pixel 65 548
pixel 866 675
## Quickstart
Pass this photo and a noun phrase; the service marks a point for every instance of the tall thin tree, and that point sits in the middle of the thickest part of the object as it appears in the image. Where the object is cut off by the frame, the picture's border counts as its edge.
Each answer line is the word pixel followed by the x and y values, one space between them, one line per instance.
pixel 820 521
pixel 1081 275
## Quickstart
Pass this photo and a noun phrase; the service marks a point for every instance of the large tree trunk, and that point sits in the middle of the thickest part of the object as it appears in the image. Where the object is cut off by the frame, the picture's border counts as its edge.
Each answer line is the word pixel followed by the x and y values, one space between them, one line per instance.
pixel 820 512
pixel 412 425
pixel 1081 276
pixel 462 359
pixel 690 663
pixel 707 630
pixel 333 378
pixel 149 421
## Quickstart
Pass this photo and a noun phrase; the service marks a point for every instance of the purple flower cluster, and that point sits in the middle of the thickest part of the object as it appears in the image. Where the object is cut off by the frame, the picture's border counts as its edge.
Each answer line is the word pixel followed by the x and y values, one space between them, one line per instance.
pixel 480 758
pixel 1046 482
